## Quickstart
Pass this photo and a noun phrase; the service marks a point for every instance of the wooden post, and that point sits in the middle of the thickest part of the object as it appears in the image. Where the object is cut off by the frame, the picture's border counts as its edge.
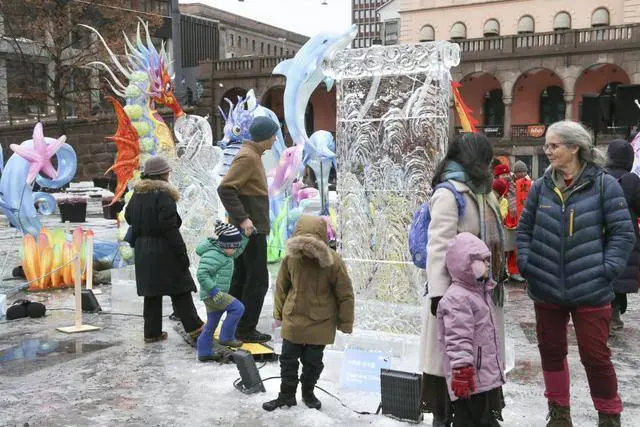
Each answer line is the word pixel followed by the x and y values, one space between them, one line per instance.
pixel 89 264
pixel 78 326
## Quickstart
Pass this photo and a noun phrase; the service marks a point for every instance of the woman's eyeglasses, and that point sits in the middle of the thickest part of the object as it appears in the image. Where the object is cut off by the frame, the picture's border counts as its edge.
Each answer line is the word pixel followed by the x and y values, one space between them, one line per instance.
pixel 552 147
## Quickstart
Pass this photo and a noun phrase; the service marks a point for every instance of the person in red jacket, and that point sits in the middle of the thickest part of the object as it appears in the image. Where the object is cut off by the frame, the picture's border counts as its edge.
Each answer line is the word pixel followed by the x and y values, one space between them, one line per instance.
pixel 510 222
pixel 523 185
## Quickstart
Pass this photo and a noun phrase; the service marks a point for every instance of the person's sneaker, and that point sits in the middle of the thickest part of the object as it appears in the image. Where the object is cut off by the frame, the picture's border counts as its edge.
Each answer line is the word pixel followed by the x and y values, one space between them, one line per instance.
pixel 232 343
pixel 253 337
pixel 279 402
pixel 517 278
pixel 310 399
pixel 215 357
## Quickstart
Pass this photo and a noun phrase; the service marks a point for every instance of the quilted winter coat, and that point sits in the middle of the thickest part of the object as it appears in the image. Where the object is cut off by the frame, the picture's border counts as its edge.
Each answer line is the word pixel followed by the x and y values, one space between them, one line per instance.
pixel 215 268
pixel 467 328
pixel 573 245
pixel 314 296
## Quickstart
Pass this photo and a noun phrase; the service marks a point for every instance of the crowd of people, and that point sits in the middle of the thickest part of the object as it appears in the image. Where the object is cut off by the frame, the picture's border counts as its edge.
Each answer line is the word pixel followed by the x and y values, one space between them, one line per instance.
pixel 569 235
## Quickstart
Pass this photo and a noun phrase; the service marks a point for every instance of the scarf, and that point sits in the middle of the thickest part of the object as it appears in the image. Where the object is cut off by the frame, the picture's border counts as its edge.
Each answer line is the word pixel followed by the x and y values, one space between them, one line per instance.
pixel 491 231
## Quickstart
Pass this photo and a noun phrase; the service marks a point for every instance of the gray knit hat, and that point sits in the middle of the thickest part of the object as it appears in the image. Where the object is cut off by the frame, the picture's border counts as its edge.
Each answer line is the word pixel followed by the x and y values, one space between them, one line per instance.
pixel 156 166
pixel 262 128
pixel 520 166
pixel 229 236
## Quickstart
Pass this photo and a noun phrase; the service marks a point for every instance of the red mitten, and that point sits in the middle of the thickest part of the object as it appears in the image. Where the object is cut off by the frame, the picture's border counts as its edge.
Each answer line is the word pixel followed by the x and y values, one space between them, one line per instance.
pixel 463 382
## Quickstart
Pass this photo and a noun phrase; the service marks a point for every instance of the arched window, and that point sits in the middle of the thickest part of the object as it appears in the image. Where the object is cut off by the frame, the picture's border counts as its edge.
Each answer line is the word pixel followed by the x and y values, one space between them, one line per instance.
pixel 458 31
pixel 562 21
pixel 552 105
pixel 493 108
pixel 526 25
pixel 427 34
pixel 491 28
pixel 600 17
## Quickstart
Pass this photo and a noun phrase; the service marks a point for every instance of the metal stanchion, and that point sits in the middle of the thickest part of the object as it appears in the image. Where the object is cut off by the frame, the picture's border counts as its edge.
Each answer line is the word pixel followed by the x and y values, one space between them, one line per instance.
pixel 78 326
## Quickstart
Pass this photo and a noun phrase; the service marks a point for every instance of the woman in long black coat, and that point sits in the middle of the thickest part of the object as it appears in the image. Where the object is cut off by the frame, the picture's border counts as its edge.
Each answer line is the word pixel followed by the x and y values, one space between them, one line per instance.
pixel 162 263
pixel 619 163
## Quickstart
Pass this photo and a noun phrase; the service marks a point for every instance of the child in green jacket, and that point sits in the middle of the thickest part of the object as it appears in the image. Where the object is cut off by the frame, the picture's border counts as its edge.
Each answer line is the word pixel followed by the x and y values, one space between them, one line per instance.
pixel 214 274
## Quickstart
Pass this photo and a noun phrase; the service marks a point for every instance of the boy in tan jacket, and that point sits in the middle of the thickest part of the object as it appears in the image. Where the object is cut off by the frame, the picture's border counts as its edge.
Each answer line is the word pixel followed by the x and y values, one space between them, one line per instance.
pixel 313 298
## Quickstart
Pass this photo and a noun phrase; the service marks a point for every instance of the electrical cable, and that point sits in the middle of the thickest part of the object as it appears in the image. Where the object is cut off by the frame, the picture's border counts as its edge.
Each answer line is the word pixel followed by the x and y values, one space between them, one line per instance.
pixel 237 382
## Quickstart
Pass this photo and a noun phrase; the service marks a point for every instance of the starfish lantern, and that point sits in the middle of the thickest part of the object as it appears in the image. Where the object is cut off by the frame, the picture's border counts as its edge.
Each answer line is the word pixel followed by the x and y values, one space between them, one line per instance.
pixel 39 155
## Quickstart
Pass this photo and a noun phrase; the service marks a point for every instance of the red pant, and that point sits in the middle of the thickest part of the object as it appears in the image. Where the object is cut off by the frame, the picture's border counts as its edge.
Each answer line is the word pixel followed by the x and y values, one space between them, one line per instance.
pixel 512 262
pixel 592 331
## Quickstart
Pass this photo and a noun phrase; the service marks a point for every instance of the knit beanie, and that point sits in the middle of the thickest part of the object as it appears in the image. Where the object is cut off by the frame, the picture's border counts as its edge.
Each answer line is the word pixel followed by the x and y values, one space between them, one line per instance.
pixel 500 186
pixel 229 237
pixel 156 166
pixel 620 154
pixel 520 166
pixel 262 128
pixel 501 169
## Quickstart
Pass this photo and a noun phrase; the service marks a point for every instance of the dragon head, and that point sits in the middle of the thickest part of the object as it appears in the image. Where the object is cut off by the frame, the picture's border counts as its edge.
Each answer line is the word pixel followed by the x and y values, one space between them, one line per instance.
pixel 161 89
pixel 236 122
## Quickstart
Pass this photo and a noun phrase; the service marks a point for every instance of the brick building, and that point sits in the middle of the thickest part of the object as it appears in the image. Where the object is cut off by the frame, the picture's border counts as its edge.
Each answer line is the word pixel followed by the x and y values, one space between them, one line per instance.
pixel 364 14
pixel 528 63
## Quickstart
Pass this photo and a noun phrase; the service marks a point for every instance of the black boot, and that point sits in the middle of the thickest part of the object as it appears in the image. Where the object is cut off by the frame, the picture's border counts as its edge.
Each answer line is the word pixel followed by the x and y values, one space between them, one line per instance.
pixel 279 402
pixel 310 399
pixel 286 397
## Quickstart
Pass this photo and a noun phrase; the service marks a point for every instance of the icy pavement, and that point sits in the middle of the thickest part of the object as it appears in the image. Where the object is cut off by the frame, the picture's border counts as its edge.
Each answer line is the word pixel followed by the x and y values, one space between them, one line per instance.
pixel 110 377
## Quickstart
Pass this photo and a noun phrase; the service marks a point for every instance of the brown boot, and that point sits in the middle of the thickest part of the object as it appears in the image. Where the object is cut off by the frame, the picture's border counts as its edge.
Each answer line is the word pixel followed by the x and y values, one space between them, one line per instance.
pixel 608 420
pixel 559 416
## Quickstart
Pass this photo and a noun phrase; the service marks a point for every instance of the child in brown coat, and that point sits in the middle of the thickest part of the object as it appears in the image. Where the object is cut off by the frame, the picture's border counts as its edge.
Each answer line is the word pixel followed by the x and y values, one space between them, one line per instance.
pixel 313 298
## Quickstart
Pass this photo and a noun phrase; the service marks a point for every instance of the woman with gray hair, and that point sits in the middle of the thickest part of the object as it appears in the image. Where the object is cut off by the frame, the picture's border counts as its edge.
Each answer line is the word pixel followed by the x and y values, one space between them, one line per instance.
pixel 573 240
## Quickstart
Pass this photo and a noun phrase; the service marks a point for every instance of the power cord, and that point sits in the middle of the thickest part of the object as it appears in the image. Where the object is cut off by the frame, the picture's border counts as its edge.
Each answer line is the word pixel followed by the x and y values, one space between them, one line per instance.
pixel 104 312
pixel 239 380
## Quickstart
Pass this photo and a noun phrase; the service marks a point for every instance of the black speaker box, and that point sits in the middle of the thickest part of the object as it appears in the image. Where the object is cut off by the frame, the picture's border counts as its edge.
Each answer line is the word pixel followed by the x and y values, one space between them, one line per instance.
pixel 89 302
pixel 627 110
pixel 400 395
pixel 591 114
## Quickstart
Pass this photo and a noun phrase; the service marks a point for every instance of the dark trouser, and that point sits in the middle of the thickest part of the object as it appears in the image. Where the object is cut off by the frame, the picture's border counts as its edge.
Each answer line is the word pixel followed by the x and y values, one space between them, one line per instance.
pixel 183 307
pixel 250 282
pixel 311 358
pixel 592 331
pixel 473 412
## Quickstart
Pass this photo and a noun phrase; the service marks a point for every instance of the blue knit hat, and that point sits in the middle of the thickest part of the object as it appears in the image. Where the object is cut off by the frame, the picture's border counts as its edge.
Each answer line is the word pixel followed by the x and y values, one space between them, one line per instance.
pixel 262 128
pixel 229 236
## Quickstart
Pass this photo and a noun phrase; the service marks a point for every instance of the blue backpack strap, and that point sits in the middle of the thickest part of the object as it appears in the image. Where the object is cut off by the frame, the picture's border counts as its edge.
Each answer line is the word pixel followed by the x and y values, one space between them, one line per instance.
pixel 459 197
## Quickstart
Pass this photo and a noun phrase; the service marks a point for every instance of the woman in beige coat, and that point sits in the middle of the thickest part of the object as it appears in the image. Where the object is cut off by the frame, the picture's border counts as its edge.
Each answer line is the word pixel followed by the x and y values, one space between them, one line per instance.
pixel 466 167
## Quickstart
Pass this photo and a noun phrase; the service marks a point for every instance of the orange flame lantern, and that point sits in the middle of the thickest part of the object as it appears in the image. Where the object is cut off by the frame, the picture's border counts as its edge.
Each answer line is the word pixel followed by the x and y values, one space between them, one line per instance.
pixel 48 262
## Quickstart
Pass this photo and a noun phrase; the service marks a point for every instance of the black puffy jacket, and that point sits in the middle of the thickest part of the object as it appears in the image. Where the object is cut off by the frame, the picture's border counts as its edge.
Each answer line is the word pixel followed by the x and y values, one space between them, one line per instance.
pixel 162 263
pixel 572 246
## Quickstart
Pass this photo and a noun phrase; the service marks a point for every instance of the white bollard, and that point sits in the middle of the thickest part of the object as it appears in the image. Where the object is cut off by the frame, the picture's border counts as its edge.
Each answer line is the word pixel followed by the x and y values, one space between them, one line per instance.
pixel 78 326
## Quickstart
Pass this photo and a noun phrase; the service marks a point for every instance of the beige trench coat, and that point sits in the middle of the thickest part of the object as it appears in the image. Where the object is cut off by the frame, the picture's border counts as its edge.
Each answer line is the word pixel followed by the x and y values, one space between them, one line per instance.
pixel 445 225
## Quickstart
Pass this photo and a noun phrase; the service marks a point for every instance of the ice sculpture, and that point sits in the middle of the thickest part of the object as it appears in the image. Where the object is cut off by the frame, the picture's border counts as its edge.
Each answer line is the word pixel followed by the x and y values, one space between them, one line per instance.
pixel 392 128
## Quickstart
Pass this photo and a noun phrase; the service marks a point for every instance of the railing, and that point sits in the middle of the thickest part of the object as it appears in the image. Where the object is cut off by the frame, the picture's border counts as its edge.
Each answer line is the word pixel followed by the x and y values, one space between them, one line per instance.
pixel 490 131
pixel 249 65
pixel 537 43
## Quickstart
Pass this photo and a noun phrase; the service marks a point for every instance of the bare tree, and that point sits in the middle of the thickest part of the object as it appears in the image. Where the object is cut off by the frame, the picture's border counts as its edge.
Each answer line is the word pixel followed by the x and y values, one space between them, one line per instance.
pixel 51 50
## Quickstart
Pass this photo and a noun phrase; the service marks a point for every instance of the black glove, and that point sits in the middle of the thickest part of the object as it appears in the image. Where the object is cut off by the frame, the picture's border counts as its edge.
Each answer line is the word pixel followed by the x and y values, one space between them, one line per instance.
pixel 621 301
pixel 434 304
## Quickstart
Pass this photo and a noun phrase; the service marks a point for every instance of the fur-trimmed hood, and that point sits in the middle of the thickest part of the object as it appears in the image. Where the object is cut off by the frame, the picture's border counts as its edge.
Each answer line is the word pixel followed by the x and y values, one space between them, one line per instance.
pixel 152 185
pixel 310 240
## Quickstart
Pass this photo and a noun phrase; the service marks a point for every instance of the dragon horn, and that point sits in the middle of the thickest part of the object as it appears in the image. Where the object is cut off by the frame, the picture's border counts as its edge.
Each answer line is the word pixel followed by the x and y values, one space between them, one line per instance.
pixel 222 113
pixel 111 54
pixel 230 106
pixel 113 76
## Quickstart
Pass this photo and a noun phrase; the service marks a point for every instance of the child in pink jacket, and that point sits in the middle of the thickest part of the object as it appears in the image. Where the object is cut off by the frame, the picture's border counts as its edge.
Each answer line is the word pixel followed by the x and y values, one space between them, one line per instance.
pixel 468 337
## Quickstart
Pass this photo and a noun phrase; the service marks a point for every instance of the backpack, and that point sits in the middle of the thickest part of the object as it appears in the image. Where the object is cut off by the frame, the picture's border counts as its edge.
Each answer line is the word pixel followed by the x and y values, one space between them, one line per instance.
pixel 419 228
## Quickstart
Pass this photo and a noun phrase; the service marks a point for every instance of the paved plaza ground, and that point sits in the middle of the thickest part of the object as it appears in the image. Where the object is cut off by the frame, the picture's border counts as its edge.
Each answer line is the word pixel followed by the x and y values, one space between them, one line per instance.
pixel 111 377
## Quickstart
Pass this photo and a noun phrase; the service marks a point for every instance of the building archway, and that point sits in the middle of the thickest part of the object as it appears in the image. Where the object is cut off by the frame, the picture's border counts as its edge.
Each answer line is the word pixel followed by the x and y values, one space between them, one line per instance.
pixel 527 95
pixel 482 93
pixel 594 79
